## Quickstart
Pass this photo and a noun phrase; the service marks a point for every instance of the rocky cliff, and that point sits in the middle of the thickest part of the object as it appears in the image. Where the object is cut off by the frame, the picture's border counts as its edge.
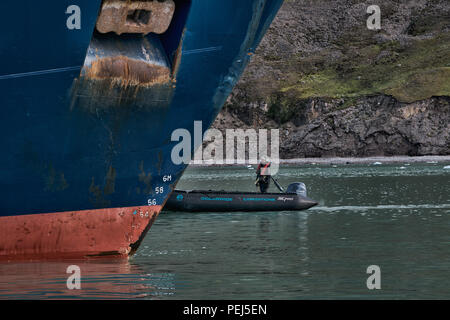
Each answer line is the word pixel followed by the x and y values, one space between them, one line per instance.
pixel 335 88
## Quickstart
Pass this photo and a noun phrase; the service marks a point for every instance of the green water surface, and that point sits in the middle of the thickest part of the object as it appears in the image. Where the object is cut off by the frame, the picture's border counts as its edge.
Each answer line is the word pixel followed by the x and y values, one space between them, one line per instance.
pixel 394 216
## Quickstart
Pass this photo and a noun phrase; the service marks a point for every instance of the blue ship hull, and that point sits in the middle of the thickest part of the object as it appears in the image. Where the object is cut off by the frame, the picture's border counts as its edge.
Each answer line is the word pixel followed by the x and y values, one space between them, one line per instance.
pixel 71 143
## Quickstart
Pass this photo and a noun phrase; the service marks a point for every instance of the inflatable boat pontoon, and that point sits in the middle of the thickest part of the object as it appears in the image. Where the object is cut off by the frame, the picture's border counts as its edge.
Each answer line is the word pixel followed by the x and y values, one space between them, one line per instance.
pixel 294 199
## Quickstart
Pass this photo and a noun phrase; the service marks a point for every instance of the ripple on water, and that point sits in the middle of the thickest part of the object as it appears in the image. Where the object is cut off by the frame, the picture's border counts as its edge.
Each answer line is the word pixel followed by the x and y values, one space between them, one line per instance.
pixel 384 215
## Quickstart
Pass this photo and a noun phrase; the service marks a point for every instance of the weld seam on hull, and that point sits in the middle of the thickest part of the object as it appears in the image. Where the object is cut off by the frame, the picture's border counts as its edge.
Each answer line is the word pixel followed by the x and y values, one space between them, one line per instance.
pixel 210 49
pixel 40 72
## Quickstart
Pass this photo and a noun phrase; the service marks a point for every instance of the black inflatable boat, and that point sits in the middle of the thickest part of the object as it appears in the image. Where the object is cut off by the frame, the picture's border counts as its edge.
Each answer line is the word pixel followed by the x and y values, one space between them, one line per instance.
pixel 293 199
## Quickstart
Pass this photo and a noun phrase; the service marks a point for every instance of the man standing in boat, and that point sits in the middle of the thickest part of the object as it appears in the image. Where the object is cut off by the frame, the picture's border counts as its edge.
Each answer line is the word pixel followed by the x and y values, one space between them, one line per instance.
pixel 263 175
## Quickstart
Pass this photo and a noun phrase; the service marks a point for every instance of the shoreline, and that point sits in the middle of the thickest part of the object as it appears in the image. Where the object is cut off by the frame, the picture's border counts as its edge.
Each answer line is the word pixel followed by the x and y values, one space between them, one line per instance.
pixel 337 160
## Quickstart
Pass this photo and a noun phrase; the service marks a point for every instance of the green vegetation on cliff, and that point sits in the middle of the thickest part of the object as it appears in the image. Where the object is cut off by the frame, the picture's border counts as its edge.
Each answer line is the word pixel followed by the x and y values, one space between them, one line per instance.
pixel 409 72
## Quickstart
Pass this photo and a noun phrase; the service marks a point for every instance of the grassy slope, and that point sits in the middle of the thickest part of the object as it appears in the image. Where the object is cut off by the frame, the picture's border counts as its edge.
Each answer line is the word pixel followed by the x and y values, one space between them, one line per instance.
pixel 409 73
pixel 413 67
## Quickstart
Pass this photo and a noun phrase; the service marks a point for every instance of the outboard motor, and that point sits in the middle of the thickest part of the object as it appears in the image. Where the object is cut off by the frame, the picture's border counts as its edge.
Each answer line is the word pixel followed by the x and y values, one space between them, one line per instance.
pixel 298 188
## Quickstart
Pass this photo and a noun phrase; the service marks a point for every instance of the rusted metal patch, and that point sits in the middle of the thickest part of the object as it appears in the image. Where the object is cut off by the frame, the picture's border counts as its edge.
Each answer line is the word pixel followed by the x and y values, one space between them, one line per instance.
pixel 130 71
pixel 132 60
pixel 122 74
pixel 125 16
pixel 105 95
pixel 98 196
pixel 146 178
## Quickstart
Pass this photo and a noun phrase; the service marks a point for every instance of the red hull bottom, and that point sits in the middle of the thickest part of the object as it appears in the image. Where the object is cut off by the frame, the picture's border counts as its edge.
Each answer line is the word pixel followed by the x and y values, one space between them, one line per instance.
pixel 84 234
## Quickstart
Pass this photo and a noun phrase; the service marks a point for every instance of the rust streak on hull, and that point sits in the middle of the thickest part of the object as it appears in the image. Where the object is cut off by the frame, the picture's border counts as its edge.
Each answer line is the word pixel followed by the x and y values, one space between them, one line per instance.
pixel 128 70
pixel 115 232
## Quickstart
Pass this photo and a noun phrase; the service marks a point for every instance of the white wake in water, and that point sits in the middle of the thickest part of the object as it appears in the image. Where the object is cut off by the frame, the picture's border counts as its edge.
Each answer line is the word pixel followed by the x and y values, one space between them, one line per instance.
pixel 381 207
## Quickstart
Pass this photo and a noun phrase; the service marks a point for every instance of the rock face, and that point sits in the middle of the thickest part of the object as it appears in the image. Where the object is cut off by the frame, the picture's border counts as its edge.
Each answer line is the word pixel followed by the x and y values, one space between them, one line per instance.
pixel 335 88
pixel 373 126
